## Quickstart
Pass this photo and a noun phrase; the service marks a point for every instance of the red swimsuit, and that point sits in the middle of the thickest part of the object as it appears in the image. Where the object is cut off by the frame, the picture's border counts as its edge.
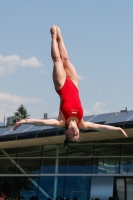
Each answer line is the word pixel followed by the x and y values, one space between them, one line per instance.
pixel 70 101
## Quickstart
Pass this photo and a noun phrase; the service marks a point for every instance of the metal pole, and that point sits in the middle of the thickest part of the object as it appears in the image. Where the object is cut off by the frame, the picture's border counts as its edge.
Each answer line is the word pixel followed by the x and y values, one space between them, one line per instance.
pixel 4 121
pixel 56 172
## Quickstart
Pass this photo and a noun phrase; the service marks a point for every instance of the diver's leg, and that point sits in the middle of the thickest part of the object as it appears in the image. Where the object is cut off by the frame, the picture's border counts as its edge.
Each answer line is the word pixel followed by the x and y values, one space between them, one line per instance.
pixel 68 66
pixel 59 74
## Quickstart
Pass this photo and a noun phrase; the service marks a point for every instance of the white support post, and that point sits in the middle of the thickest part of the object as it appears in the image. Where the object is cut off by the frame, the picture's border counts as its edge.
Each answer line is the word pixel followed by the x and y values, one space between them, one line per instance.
pixel 56 172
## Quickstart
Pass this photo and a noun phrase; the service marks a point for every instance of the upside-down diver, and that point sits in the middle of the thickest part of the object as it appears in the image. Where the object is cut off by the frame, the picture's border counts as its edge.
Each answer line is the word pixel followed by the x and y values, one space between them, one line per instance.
pixel 65 80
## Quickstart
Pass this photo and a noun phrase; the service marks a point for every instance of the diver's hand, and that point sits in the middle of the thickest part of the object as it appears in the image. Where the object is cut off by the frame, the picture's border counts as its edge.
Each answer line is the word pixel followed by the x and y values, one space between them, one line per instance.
pixel 17 124
pixel 123 132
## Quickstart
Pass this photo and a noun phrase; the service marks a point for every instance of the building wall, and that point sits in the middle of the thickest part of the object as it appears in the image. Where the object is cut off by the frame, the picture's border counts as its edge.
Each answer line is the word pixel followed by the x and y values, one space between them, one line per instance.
pixel 49 171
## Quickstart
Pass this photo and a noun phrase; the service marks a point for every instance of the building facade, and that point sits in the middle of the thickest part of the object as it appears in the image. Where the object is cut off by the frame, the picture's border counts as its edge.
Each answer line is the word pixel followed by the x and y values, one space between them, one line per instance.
pixel 100 165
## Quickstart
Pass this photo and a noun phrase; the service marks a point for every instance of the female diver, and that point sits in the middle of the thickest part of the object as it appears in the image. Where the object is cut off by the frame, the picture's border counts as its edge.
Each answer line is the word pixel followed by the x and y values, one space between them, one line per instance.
pixel 65 80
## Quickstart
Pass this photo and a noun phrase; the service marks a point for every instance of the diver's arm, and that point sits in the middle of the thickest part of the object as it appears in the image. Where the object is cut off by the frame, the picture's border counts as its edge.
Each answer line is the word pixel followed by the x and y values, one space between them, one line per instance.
pixel 38 122
pixel 100 127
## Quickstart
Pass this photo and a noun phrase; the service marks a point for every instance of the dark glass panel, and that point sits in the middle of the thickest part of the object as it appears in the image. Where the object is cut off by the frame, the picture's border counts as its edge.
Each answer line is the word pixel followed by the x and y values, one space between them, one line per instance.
pixel 48 166
pixel 79 165
pixel 28 166
pixel 127 140
pixel 16 187
pixel 75 165
pixel 113 141
pixel 81 150
pixel 8 152
pixel 30 151
pixel 126 165
pixel 127 150
pixel 25 186
pixel 49 150
pixel 46 190
pixel 62 165
pixel 6 186
pixel 106 166
pixel 74 186
pixel 7 166
pixel 60 186
pixel 107 150
pixel 63 151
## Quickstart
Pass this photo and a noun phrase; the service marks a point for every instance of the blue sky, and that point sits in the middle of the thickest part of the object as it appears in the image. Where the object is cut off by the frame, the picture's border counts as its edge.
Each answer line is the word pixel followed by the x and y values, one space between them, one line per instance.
pixel 99 39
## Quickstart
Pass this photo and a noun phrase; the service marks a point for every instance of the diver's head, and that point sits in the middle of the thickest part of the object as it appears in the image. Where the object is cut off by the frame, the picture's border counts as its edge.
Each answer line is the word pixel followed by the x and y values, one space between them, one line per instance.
pixel 73 133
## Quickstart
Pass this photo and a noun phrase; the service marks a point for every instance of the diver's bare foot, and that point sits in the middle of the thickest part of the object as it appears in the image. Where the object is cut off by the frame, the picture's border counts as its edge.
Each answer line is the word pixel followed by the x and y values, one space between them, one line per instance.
pixel 58 32
pixel 53 31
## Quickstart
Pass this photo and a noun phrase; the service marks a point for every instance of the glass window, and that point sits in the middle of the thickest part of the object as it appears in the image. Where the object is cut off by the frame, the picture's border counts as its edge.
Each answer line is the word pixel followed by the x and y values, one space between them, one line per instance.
pixel 106 166
pixel 102 187
pixel 6 186
pixel 62 165
pixel 127 140
pixel 60 186
pixel 28 166
pixel 113 141
pixel 49 150
pixel 16 187
pixel 81 150
pixel 25 186
pixel 74 186
pixel 8 152
pixel 75 165
pixel 79 165
pixel 63 152
pixel 127 150
pixel 107 150
pixel 7 166
pixel 48 166
pixel 30 151
pixel 126 165
pixel 46 187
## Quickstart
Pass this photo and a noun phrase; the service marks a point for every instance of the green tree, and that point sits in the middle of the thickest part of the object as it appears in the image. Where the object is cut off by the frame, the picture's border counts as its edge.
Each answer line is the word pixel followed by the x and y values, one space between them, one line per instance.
pixel 21 113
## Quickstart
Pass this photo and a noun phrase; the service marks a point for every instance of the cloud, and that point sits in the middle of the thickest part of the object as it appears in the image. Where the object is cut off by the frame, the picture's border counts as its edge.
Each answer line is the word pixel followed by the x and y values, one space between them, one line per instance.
pixel 9 103
pixel 98 108
pixel 5 70
pixel 8 64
